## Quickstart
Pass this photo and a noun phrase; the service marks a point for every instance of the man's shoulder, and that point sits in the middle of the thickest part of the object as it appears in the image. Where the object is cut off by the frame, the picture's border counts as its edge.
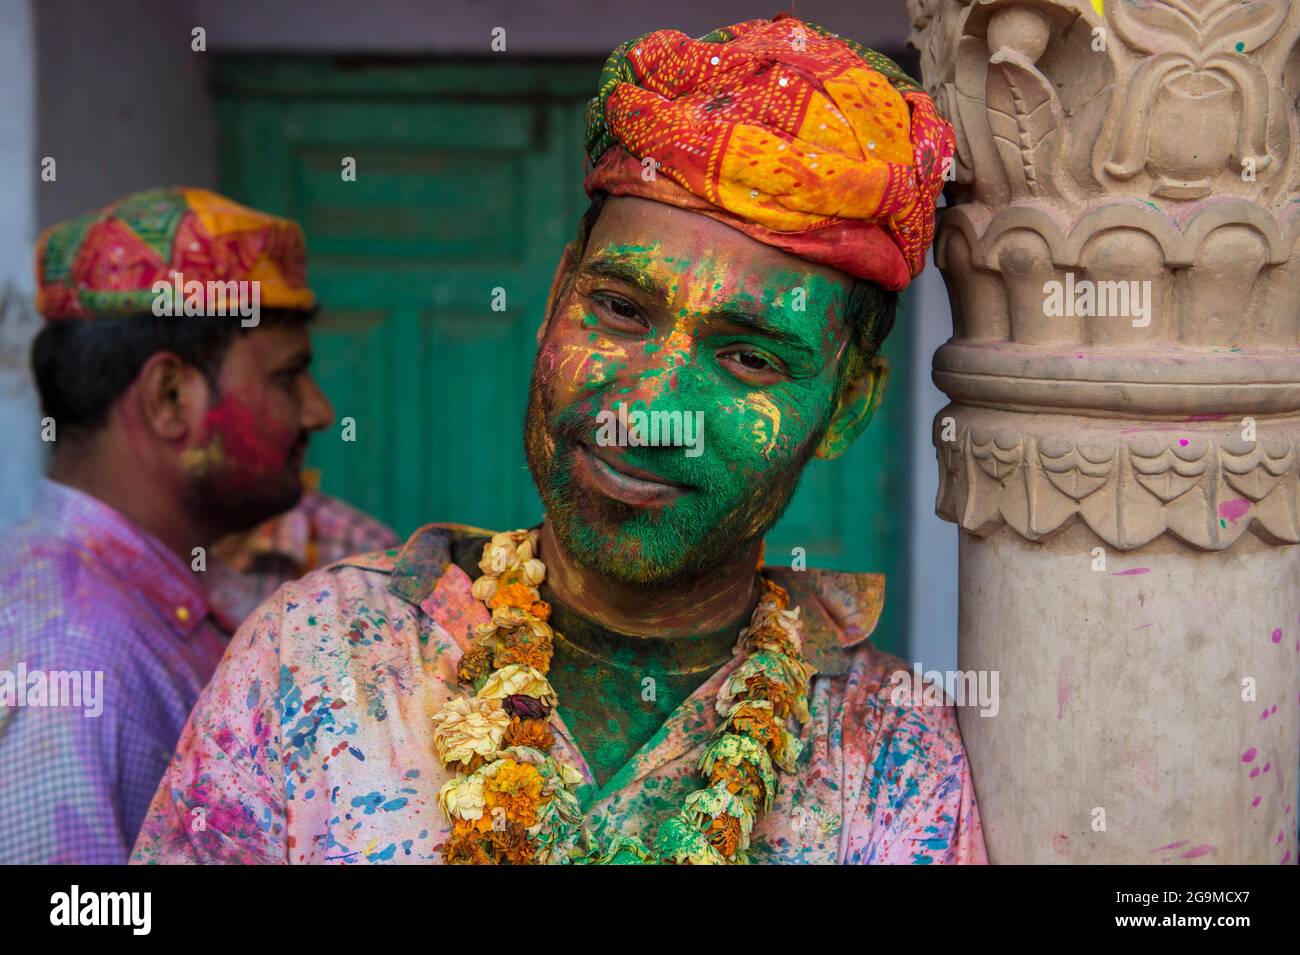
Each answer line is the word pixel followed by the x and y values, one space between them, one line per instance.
pixel 396 576
pixel 58 603
pixel 426 554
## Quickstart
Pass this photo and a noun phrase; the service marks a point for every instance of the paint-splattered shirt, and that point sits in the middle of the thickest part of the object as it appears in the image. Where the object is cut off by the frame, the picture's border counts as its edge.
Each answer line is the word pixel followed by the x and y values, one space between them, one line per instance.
pixel 95 615
pixel 314 743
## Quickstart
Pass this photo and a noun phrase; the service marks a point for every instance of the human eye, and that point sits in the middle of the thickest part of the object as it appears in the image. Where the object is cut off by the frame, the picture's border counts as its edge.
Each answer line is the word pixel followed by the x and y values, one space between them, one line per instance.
pixel 752 365
pixel 619 314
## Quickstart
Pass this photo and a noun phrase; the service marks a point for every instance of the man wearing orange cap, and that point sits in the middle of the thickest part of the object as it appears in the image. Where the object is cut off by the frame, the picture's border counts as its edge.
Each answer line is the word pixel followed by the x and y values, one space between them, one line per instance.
pixel 173 371
pixel 628 683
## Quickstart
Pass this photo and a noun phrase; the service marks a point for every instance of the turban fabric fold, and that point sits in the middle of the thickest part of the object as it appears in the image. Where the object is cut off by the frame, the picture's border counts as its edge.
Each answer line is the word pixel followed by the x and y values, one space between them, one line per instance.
pixel 107 263
pixel 796 137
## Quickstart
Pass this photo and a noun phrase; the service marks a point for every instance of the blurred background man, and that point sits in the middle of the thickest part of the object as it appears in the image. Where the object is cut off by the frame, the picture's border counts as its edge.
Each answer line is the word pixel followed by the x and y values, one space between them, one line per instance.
pixel 168 433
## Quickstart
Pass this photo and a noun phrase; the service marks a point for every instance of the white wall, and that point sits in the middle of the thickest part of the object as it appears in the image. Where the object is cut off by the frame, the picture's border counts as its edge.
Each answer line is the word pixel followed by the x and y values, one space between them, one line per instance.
pixel 21 459
pixel 932 616
pixel 533 27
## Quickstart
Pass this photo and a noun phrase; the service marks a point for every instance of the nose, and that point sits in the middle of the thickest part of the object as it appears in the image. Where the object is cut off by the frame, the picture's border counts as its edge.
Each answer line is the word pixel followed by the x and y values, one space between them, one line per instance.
pixel 317 412
pixel 659 375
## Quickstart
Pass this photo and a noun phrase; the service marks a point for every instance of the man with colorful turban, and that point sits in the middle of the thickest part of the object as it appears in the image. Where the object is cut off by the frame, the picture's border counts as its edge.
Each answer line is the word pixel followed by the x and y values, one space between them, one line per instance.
pixel 175 418
pixel 628 682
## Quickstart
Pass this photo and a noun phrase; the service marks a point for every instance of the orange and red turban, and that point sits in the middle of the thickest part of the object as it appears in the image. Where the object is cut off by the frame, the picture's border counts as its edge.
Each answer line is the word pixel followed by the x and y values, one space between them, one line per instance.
pixel 796 137
pixel 106 263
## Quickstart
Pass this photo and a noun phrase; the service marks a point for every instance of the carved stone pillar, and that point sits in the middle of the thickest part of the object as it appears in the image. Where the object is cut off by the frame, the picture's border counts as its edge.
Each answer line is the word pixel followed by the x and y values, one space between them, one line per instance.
pixel 1122 451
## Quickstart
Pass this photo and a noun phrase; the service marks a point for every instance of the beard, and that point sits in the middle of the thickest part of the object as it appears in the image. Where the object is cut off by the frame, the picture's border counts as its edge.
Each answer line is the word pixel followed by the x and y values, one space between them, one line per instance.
pixel 713 523
pixel 232 499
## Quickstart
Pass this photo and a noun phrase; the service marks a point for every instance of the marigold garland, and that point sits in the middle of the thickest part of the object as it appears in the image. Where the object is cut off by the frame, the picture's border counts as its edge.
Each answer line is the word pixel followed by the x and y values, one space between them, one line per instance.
pixel 512 803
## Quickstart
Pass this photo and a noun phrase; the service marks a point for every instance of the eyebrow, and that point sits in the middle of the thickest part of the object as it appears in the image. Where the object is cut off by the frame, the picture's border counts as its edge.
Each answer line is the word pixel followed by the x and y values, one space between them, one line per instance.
pixel 762 325
pixel 622 270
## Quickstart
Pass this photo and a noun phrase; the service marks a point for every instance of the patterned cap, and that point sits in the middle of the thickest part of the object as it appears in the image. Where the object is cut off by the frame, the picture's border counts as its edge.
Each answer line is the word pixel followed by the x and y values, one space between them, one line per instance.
pixel 799 138
pixel 107 263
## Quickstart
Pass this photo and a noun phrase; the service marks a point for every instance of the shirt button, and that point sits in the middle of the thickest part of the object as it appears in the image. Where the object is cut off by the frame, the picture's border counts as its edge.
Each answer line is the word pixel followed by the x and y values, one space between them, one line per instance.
pixel 183 613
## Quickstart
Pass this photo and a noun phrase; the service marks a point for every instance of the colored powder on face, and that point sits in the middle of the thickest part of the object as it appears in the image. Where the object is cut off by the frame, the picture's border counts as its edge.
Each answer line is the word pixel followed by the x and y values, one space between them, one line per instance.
pixel 756 437
pixel 248 444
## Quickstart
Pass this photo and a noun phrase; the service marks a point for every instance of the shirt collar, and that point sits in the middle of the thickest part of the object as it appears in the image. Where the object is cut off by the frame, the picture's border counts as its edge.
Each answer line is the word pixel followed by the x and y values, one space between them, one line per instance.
pixel 127 551
pixel 839 610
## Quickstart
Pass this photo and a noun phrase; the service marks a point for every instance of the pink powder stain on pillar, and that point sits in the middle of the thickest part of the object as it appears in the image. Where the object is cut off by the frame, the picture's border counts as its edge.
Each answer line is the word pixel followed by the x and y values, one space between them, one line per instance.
pixel 1234 510
pixel 1198 852
pixel 1249 755
pixel 1063 676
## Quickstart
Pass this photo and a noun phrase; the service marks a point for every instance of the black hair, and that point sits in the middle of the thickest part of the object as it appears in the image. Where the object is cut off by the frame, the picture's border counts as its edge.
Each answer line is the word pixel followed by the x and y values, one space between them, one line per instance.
pixel 83 366
pixel 870 311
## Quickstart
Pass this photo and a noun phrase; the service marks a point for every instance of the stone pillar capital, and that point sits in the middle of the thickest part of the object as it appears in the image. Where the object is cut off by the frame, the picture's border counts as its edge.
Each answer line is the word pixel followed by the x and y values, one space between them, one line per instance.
pixel 1121 257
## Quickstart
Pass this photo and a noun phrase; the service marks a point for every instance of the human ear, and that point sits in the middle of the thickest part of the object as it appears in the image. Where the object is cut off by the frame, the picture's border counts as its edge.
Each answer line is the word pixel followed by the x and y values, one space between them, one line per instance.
pixel 172 397
pixel 859 398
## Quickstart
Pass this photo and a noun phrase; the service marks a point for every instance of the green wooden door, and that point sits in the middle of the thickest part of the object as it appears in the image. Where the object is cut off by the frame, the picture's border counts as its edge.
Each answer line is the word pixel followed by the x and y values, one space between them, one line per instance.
pixel 468 181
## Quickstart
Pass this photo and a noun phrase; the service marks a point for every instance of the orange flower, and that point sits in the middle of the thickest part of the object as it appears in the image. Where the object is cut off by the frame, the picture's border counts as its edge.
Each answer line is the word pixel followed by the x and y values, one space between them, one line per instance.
pixel 512 845
pixel 724 834
pixel 514 594
pixel 774 591
pixel 467 845
pixel 738 779
pixel 781 697
pixel 475 663
pixel 534 733
pixel 758 722
pixel 526 649
pixel 516 788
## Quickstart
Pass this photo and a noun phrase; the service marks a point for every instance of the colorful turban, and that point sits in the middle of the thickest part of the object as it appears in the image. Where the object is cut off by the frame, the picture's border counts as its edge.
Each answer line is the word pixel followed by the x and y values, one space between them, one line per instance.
pixel 106 263
pixel 796 137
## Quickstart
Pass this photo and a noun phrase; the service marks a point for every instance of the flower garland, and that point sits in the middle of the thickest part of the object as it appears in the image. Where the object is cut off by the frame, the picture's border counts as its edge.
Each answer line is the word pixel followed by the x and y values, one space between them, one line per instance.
pixel 510 802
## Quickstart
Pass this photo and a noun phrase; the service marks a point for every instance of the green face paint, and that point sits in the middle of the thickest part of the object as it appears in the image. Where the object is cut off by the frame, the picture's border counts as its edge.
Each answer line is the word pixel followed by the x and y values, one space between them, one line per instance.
pixel 708 325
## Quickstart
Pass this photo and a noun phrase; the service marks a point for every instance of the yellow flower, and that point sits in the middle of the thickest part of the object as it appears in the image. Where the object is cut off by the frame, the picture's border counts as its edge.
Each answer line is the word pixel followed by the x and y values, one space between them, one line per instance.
pixel 518 678
pixel 506 550
pixel 484 588
pixel 467 727
pixel 462 798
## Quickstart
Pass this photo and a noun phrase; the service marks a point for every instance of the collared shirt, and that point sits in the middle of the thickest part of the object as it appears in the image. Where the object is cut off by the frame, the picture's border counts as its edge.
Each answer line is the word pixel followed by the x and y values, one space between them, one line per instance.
pixel 314 742
pixel 319 530
pixel 95 615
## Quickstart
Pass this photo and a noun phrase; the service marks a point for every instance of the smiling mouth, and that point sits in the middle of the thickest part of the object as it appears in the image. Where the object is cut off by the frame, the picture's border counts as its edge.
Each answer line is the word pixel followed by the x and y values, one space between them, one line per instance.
pixel 614 478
